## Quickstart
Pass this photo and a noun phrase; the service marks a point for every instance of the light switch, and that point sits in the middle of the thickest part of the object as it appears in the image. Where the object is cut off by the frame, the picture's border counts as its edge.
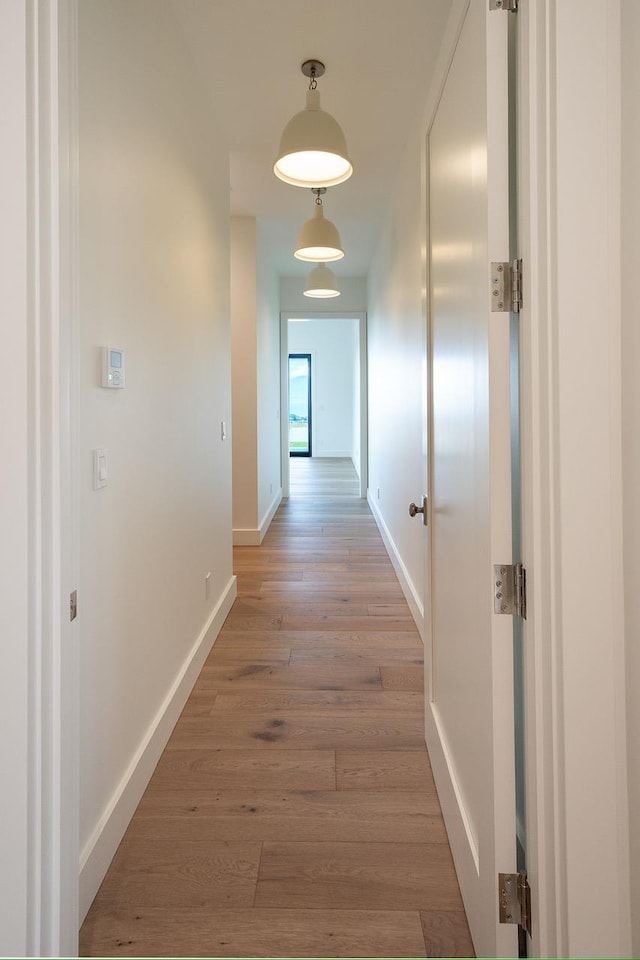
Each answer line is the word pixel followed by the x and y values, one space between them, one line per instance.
pixel 223 430
pixel 100 470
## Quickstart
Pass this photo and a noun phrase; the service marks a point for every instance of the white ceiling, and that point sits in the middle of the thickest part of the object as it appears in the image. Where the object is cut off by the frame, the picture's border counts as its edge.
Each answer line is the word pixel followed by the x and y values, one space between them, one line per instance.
pixel 378 54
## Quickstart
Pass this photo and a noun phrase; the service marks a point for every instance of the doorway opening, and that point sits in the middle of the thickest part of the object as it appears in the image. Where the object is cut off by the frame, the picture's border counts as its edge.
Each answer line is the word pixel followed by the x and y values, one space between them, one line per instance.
pixel 300 417
pixel 324 401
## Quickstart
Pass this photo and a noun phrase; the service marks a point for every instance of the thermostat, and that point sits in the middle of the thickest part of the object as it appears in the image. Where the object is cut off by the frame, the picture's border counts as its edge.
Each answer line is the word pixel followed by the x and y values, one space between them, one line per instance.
pixel 112 367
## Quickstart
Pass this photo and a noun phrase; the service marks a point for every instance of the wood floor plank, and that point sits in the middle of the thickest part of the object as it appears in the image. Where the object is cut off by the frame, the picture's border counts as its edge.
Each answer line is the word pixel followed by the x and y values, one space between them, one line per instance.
pixel 258 570
pixel 308 589
pixel 271 606
pixel 199 704
pixel 134 931
pixel 227 651
pixel 180 873
pixel 317 622
pixel 405 677
pixel 294 677
pixel 297 732
pixel 309 638
pixel 239 620
pixel 339 576
pixel 384 770
pixel 195 770
pixel 322 702
pixel 381 656
pixel 387 609
pixel 358 875
pixel 446 934
pixel 326 815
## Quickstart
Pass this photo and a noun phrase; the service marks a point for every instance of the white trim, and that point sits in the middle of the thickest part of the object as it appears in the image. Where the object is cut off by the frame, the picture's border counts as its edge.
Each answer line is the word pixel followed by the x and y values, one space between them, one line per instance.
pixel 408 588
pixel 67 705
pixel 38 886
pixel 102 845
pixel 451 798
pixel 253 536
pixel 48 88
pixel 570 157
pixel 364 410
pixel 284 404
pixel 16 823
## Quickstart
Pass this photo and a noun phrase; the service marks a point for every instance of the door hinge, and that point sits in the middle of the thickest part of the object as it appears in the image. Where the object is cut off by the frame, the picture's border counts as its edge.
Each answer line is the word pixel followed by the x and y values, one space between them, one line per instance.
pixel 510 589
pixel 514 899
pixel 73 605
pixel 511 6
pixel 506 286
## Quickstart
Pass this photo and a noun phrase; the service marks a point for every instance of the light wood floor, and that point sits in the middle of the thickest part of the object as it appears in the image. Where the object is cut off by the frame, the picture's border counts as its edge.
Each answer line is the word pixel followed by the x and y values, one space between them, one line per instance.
pixel 322 477
pixel 293 812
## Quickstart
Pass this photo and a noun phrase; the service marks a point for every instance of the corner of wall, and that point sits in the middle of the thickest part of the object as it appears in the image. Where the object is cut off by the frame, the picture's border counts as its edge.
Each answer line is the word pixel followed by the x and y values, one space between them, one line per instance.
pixel 253 536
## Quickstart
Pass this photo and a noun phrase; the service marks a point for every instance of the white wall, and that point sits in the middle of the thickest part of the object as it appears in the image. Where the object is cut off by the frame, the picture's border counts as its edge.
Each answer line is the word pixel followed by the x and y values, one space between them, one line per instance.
pixel 356 454
pixel 14 520
pixel 396 345
pixel 255 321
pixel 631 422
pixel 352 299
pixel 244 379
pixel 268 374
pixel 154 281
pixel 332 345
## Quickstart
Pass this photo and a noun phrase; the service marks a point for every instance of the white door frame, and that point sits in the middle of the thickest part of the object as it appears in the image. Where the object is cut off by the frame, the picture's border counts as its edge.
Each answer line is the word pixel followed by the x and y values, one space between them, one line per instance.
pixel 287 315
pixel 569 209
pixel 569 155
pixel 39 876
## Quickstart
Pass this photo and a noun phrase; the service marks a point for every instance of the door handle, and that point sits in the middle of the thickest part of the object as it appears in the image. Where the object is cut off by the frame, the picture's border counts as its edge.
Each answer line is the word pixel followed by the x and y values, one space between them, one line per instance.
pixel 414 510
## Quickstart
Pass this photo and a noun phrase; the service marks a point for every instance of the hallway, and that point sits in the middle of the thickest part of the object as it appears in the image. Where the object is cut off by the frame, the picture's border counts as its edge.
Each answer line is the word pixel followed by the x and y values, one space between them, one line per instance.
pixel 293 812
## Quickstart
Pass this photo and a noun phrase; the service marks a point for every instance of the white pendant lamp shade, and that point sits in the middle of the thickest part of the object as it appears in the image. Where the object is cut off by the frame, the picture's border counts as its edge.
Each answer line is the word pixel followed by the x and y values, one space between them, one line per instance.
pixel 313 149
pixel 322 283
pixel 318 240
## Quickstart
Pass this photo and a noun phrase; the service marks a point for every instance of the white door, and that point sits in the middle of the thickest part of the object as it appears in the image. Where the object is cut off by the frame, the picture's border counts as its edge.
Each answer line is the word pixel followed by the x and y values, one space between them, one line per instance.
pixel 470 729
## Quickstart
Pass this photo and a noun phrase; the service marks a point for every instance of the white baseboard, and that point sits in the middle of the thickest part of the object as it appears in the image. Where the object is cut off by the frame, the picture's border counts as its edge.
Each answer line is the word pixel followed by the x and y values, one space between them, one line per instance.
pixel 102 845
pixel 253 536
pixel 463 844
pixel 411 595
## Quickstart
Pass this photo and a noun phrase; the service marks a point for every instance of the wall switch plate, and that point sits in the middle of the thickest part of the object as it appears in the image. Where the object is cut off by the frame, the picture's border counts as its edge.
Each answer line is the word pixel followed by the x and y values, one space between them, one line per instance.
pixel 100 469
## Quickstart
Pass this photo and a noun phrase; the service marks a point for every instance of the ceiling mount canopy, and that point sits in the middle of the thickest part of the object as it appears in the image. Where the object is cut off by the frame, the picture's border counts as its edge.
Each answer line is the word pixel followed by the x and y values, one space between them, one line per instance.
pixel 321 283
pixel 313 149
pixel 318 240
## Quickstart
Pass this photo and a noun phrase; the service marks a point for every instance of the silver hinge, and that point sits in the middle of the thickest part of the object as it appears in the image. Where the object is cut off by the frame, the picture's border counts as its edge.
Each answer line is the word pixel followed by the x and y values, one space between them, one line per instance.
pixel 510 589
pixel 511 6
pixel 514 899
pixel 506 286
pixel 73 605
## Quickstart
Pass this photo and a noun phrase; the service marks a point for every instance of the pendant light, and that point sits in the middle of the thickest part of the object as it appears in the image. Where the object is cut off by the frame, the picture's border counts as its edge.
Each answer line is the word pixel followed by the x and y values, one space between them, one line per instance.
pixel 322 283
pixel 318 240
pixel 313 149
